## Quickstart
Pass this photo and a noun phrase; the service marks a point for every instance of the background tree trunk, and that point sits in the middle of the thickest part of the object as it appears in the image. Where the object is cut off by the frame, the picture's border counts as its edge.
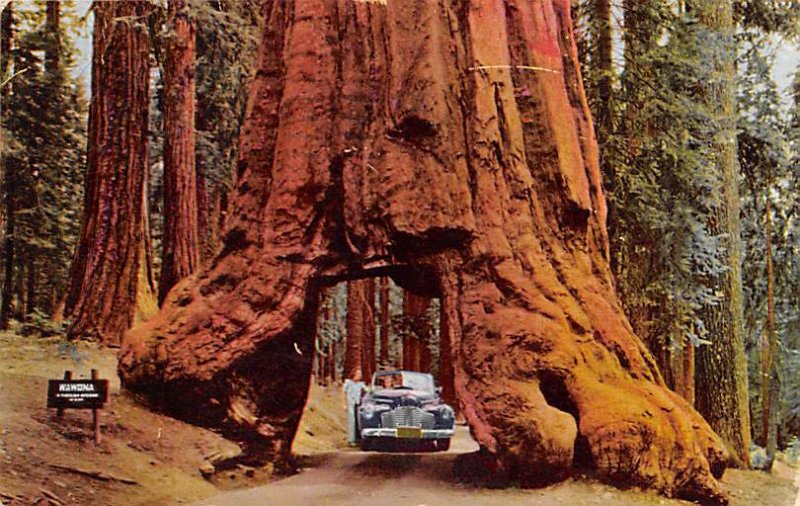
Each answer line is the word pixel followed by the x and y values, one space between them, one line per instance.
pixel 52 55
pixel 181 253
pixel 360 329
pixel 104 277
pixel 463 164
pixel 415 308
pixel 384 319
pixel 6 45
pixel 721 367
pixel 447 347
pixel 770 375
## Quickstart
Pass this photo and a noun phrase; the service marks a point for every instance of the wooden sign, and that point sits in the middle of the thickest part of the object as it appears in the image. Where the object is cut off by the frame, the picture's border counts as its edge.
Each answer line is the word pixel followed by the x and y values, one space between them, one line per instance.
pixel 77 394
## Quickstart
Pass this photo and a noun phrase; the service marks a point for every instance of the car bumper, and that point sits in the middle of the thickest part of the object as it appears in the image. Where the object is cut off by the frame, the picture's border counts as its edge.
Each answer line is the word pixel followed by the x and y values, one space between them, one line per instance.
pixel 392 433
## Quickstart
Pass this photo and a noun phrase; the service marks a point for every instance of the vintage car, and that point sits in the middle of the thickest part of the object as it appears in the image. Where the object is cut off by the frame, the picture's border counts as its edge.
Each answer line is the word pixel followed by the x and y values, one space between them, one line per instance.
pixel 402 410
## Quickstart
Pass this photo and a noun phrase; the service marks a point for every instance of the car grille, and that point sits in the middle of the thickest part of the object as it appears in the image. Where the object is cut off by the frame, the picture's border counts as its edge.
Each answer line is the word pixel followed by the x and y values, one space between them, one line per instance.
pixel 407 416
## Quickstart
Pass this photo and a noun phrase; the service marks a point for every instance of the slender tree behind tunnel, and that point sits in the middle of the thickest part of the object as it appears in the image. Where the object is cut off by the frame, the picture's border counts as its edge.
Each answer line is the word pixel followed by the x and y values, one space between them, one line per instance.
pixel 360 339
pixel 467 158
pixel 418 332
pixel 384 324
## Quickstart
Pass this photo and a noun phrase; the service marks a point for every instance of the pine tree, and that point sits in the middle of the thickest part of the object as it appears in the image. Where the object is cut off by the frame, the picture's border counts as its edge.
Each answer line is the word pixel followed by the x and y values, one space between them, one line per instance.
pixel 45 161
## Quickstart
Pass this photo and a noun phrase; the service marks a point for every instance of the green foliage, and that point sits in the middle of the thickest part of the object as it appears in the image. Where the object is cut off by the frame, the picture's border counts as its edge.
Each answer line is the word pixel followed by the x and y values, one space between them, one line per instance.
pixel 661 191
pixel 227 40
pixel 767 141
pixel 226 43
pixel 43 325
pixel 45 161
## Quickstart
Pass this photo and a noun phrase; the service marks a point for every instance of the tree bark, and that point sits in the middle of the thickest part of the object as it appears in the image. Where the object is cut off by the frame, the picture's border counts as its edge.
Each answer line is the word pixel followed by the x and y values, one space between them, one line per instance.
pixel 105 272
pixel 415 308
pixel 360 340
pixel 384 320
pixel 447 347
pixel 30 286
pixel 770 375
pixel 463 164
pixel 9 246
pixel 683 370
pixel 181 254
pixel 721 367
pixel 52 56
pixel 9 208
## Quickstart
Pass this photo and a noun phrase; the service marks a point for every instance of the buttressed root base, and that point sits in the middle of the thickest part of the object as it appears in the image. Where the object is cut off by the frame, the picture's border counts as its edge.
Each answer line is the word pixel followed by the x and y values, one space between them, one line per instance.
pixel 452 138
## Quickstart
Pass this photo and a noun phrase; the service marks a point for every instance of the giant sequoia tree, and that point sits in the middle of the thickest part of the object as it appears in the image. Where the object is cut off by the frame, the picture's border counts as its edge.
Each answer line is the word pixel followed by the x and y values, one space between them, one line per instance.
pixel 105 274
pixel 181 242
pixel 449 145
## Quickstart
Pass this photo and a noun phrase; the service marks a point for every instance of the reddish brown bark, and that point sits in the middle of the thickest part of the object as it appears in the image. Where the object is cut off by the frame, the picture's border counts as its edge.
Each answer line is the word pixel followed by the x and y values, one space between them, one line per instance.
pixel 104 276
pixel 181 254
pixel 360 330
pixel 446 358
pixel 415 308
pixel 463 164
pixel 384 321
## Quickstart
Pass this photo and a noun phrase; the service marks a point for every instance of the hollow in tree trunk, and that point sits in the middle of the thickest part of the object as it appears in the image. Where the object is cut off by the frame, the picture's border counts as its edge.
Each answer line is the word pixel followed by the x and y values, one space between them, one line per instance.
pixel 462 163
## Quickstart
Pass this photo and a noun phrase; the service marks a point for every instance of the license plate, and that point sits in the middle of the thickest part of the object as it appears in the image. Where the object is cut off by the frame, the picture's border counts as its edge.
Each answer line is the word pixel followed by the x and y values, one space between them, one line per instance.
pixel 409 432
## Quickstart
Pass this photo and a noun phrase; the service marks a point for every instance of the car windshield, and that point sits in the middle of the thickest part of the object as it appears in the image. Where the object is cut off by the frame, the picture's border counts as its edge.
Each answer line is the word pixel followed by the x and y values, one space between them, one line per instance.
pixel 404 379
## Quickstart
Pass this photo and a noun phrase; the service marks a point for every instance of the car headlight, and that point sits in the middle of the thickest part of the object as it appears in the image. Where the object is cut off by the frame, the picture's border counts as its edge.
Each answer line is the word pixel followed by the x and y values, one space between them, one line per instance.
pixel 369 410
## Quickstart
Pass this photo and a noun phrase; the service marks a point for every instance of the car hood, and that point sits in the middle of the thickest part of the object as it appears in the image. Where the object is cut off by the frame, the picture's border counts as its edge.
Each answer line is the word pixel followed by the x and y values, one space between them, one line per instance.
pixel 400 397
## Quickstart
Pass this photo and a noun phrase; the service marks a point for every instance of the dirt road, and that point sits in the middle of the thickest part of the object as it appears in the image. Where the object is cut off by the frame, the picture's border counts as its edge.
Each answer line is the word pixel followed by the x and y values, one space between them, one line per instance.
pixel 350 477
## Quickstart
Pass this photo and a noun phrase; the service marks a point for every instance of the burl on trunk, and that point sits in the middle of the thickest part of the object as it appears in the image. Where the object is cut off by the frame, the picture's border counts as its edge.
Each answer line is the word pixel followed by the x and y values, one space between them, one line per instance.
pixel 447 144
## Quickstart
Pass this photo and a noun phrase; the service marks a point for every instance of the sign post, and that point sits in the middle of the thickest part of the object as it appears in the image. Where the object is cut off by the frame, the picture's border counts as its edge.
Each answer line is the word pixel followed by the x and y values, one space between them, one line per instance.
pixel 79 394
pixel 96 413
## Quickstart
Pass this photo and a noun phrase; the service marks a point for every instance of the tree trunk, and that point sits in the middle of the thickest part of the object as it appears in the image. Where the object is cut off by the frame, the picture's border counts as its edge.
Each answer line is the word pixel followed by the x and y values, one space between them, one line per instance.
pixel 6 45
pixel 721 367
pixel 104 276
pixel 683 370
pixel 52 56
pixel 360 341
pixel 415 308
pixel 770 375
pixel 181 254
pixel 30 286
pixel 384 320
pixel 368 341
pixel 9 246
pixel 332 363
pixel 20 308
pixel 463 164
pixel 447 346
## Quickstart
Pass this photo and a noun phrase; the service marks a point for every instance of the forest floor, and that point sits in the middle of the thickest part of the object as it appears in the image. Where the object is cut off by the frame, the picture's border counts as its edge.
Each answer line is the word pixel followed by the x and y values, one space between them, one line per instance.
pixel 149 459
